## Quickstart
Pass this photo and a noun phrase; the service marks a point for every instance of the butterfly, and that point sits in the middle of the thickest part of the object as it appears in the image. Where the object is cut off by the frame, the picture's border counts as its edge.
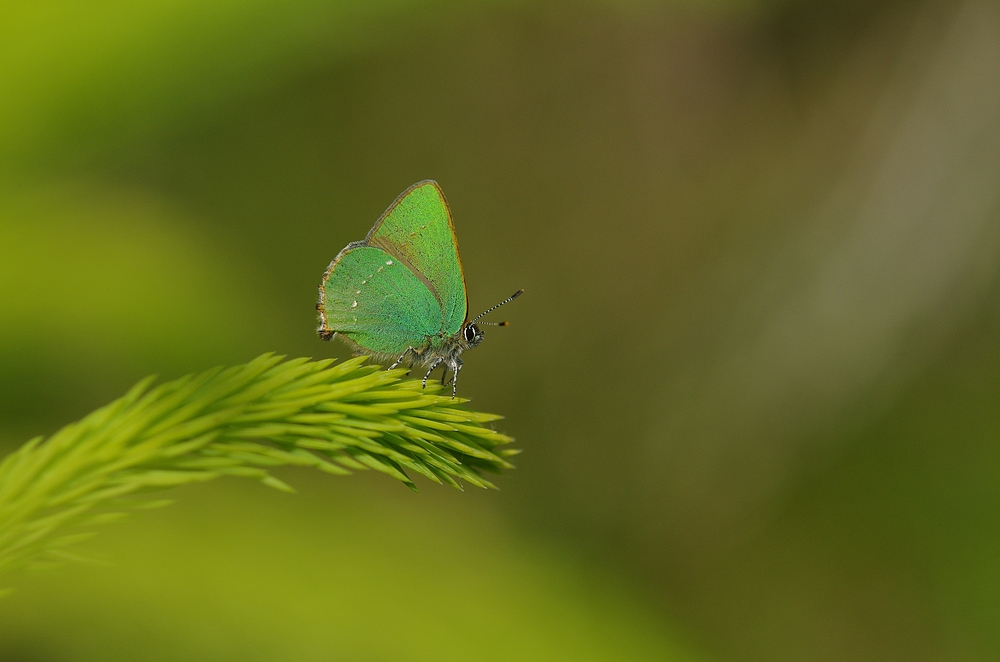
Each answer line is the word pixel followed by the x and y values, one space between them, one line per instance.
pixel 400 292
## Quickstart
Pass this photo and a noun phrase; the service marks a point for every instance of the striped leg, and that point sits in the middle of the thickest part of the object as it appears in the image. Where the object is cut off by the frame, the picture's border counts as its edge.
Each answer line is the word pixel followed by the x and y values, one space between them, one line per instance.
pixel 401 358
pixel 436 363
pixel 455 367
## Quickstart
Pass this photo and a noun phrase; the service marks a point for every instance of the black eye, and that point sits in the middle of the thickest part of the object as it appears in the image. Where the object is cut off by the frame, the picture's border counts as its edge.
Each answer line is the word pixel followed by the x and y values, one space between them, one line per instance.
pixel 471 332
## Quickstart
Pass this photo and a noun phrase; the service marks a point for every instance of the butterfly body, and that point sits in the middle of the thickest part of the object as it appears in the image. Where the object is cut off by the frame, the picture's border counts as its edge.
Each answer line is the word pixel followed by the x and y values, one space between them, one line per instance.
pixel 399 294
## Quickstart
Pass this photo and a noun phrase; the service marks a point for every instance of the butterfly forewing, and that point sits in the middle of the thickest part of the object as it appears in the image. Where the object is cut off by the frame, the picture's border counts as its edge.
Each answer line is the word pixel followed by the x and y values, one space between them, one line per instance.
pixel 378 302
pixel 417 231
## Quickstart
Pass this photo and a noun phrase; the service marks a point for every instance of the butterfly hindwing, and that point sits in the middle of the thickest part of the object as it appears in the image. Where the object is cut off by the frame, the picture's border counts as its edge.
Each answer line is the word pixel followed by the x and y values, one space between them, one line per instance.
pixel 417 230
pixel 377 302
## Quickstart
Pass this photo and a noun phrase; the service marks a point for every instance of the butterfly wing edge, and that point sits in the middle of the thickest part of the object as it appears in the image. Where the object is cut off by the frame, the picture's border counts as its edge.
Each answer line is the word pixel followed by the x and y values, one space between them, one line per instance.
pixel 451 228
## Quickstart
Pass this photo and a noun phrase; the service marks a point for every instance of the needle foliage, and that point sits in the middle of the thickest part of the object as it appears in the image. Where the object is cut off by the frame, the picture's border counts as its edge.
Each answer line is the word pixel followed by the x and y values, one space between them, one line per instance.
pixel 237 421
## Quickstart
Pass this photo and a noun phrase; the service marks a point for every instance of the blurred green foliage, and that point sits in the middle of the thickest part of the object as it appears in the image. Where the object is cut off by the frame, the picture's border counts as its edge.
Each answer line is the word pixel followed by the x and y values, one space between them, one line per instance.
pixel 754 373
pixel 343 571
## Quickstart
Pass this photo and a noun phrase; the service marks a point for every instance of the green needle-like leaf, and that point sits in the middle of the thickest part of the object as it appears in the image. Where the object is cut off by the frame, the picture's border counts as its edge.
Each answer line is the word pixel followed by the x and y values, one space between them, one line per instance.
pixel 238 421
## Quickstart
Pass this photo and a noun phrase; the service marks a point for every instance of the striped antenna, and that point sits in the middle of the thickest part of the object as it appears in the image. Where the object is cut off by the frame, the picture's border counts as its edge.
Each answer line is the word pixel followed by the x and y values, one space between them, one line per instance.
pixel 507 300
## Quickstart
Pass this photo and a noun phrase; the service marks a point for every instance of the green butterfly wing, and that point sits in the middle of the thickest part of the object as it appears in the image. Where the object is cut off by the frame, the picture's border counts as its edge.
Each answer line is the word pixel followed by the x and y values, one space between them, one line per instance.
pixel 417 231
pixel 377 302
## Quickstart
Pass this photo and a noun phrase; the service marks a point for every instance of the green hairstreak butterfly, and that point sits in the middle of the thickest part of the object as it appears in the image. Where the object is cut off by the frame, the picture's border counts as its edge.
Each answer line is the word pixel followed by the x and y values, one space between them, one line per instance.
pixel 400 292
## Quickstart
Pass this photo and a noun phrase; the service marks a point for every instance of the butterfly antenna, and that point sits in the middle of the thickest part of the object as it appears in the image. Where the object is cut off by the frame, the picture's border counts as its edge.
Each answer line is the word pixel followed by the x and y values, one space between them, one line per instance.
pixel 507 300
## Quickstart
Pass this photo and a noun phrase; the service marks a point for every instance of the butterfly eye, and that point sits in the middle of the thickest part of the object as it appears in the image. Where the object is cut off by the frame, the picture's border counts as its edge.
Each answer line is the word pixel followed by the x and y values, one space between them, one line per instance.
pixel 470 333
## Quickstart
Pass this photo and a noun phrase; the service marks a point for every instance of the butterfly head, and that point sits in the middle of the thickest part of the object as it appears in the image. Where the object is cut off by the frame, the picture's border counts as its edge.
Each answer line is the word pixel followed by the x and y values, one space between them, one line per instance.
pixel 471 335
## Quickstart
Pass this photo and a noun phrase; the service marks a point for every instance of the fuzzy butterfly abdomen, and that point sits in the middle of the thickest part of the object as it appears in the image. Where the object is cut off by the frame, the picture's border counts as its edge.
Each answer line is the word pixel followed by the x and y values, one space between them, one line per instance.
pixel 378 303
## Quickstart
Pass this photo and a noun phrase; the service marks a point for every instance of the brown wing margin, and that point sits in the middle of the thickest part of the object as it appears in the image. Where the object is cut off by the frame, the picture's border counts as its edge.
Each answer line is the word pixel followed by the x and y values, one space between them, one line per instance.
pixel 387 248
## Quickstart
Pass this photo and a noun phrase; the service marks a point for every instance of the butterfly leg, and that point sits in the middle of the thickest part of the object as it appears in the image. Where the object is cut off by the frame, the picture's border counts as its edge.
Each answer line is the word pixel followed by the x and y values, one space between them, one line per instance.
pixel 401 358
pixel 436 363
pixel 455 367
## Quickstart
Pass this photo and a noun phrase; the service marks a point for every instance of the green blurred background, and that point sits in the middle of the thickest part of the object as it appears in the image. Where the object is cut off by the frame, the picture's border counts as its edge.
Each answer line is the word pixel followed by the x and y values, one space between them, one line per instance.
pixel 756 374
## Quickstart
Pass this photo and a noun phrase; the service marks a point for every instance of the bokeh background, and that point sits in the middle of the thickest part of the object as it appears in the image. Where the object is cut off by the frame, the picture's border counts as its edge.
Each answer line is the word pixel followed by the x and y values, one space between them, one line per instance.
pixel 756 373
